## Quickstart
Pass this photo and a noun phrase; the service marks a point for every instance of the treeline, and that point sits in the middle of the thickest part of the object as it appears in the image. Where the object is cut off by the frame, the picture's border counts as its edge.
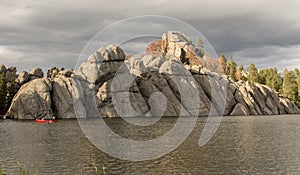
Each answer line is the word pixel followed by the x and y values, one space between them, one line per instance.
pixel 287 83
pixel 7 91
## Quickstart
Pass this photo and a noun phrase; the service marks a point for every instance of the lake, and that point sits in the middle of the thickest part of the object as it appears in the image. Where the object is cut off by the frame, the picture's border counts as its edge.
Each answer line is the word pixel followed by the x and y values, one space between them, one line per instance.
pixel 241 145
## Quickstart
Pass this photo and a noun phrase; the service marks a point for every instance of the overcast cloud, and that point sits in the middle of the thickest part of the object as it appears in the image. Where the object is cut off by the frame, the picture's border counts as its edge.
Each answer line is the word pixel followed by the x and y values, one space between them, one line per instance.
pixel 53 33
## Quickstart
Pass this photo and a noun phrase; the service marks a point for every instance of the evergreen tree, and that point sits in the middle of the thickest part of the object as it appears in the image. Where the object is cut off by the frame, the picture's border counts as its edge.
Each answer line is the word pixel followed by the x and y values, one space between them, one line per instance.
pixel 11 89
pixel 241 68
pixel 223 64
pixel 238 75
pixel 276 80
pixel 242 72
pixel 290 88
pixel 297 72
pixel 271 78
pixel 232 66
pixel 200 46
pixel 3 92
pixel 252 74
pixel 298 84
pixel 262 77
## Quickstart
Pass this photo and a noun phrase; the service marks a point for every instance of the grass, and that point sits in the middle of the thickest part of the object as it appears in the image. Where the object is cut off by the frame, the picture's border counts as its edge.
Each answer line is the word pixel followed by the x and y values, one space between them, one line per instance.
pixel 22 170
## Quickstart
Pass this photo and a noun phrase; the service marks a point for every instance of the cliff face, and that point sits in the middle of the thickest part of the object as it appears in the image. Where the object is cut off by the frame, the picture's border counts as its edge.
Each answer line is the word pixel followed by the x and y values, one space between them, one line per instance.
pixel 108 83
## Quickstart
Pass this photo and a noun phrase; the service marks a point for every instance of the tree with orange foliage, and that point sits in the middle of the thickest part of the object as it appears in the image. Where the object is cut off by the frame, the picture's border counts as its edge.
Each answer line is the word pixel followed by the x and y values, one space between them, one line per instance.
pixel 223 64
pixel 238 74
pixel 154 48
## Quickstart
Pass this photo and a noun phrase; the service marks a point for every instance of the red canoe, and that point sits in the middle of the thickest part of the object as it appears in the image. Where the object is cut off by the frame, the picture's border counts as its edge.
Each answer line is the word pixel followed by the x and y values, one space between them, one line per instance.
pixel 45 121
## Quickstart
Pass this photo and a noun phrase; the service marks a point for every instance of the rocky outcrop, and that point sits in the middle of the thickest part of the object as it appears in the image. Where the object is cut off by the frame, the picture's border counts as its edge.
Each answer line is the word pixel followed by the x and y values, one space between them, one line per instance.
pixel 109 85
pixel 289 107
pixel 239 110
pixel 62 101
pixel 66 73
pixel 23 78
pixel 151 74
pixel 9 73
pixel 52 73
pixel 43 97
pixel 36 73
pixel 176 44
pixel 33 100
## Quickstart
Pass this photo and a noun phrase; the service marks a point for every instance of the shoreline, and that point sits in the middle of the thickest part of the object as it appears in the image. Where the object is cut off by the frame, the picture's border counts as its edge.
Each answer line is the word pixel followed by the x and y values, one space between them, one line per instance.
pixel 144 117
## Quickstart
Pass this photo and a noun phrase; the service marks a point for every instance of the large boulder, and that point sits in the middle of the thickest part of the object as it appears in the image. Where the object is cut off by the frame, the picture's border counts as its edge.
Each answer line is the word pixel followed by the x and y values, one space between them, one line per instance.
pixel 152 83
pixel 88 71
pixel 289 107
pixel 176 44
pixel 102 64
pixel 136 66
pixel 131 102
pixel 153 63
pixel 66 73
pixel 33 100
pixel 248 100
pixel 173 67
pixel 62 97
pixel 36 73
pixel 23 77
pixel 111 53
pixel 260 99
pixel 239 110
pixel 271 99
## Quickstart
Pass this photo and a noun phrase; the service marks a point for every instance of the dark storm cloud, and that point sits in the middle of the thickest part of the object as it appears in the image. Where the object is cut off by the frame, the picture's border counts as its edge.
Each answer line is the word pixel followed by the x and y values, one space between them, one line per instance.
pixel 53 33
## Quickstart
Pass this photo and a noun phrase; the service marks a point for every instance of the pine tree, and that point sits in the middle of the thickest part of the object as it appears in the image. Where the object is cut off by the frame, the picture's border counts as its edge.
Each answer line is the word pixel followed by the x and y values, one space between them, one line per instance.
pixel 3 92
pixel 290 88
pixel 200 46
pixel 252 74
pixel 276 82
pixel 223 64
pixel 11 89
pixel 262 76
pixel 297 72
pixel 271 78
pixel 298 84
pixel 232 66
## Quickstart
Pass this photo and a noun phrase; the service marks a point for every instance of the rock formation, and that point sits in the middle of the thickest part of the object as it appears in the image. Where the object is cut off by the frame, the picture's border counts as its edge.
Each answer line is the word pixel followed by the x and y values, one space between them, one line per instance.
pixel 43 97
pixel 9 73
pixel 62 96
pixel 52 72
pixel 33 100
pixel 110 85
pixel 36 73
pixel 23 78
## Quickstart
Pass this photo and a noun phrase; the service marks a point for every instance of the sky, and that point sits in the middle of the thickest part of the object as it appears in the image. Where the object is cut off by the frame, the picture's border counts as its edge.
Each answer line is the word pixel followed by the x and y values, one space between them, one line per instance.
pixel 42 33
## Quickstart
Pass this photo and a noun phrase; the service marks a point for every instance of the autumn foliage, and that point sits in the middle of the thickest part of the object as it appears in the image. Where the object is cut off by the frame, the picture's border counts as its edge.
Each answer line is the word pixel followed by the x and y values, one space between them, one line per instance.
pixel 154 48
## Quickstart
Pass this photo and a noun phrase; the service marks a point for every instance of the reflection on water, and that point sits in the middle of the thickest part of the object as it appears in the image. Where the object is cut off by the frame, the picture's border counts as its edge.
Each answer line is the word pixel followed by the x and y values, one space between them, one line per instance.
pixel 242 145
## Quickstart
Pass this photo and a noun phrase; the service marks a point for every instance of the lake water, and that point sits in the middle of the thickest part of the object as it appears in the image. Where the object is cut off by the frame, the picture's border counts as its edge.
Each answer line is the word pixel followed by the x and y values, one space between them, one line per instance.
pixel 241 145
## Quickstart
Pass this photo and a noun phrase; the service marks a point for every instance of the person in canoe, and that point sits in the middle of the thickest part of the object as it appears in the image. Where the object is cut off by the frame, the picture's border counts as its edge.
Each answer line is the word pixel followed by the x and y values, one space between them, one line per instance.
pixel 45 116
